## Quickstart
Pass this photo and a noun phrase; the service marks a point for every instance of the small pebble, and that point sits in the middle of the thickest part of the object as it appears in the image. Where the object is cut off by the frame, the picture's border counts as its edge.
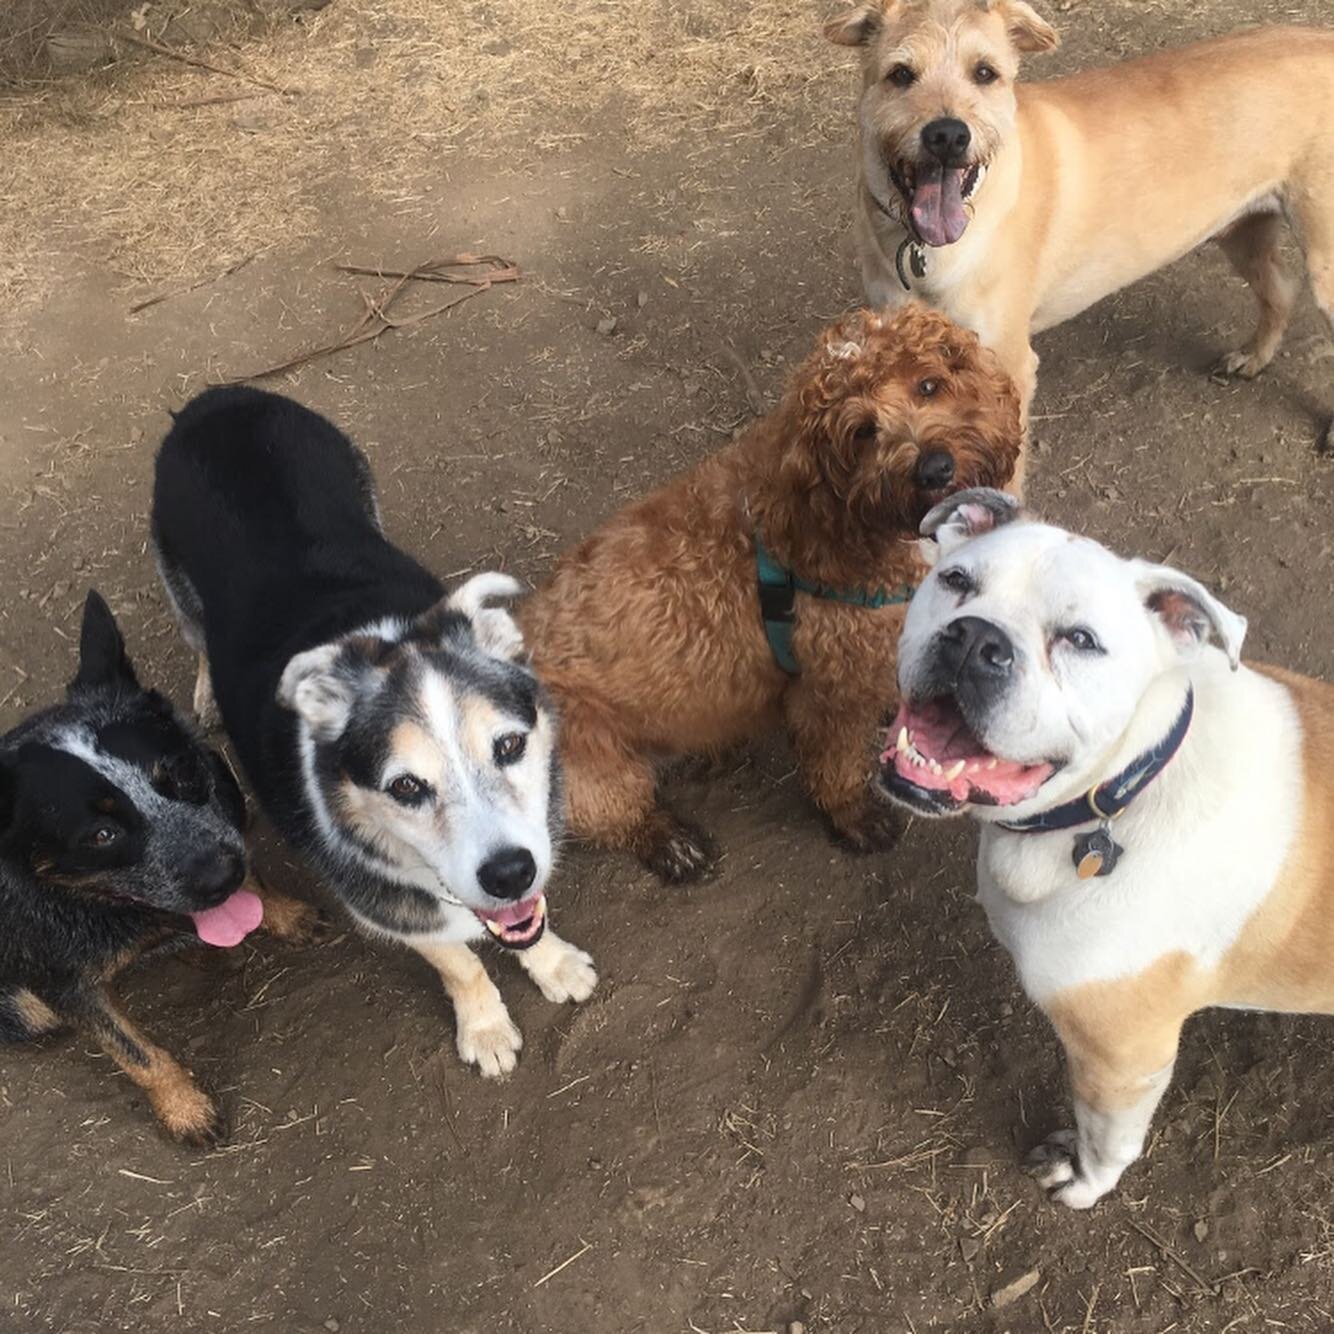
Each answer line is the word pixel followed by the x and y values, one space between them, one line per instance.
pixel 857 1203
pixel 796 1327
pixel 1011 1292
pixel 1201 1230
pixel 641 300
pixel 332 1325
pixel 607 325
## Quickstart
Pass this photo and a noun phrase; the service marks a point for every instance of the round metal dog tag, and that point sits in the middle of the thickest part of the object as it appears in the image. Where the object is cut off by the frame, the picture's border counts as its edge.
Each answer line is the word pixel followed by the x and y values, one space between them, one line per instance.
pixel 1096 854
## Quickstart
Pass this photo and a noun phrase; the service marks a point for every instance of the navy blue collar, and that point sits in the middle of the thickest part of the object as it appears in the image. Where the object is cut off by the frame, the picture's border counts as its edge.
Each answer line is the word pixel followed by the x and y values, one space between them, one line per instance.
pixel 1109 799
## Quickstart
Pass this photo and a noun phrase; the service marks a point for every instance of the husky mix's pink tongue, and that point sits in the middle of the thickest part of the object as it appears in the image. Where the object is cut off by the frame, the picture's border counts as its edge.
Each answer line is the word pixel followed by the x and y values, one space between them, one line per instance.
pixel 937 204
pixel 231 921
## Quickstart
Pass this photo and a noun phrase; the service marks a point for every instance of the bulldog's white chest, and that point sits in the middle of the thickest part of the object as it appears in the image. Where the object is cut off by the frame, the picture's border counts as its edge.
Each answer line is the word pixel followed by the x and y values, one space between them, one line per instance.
pixel 1203 849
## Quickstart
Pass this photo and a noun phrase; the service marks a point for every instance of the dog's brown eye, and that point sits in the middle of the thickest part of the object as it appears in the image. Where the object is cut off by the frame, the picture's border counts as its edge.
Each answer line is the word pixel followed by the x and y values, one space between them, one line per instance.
pixel 902 76
pixel 866 432
pixel 984 74
pixel 927 388
pixel 510 747
pixel 407 789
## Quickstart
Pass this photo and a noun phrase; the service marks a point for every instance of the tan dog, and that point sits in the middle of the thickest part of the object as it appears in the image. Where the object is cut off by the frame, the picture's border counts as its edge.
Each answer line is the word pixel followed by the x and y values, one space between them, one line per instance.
pixel 651 635
pixel 1013 208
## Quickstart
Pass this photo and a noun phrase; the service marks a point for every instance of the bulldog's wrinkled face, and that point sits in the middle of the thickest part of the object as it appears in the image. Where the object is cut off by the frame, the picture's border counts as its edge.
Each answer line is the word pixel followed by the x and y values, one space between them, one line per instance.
pixel 1024 657
pixel 937 100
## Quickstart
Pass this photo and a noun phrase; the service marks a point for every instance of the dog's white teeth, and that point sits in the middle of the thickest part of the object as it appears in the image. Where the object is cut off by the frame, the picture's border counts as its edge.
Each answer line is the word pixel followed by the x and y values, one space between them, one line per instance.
pixel 540 908
pixel 935 766
pixel 903 743
pixel 955 770
pixel 991 763
pixel 493 928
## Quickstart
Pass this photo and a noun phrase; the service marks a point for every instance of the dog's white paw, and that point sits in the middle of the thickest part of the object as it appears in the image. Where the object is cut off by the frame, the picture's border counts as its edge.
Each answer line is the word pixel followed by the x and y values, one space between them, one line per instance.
pixel 1052 1163
pixel 567 976
pixel 489 1040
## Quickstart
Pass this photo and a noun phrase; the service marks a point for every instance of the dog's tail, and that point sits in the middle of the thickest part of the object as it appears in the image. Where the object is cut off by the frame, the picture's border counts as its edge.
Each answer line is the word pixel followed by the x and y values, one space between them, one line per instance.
pixel 472 596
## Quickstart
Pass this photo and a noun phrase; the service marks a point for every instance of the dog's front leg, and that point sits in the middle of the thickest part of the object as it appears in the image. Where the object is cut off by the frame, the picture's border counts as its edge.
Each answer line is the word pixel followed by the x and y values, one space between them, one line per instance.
pixel 1116 1091
pixel 486 1035
pixel 183 1110
pixel 834 737
pixel 286 918
pixel 562 972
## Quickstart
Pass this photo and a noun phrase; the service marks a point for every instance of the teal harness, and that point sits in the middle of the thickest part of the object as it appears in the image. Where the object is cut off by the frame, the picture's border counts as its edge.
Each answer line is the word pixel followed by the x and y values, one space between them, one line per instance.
pixel 778 589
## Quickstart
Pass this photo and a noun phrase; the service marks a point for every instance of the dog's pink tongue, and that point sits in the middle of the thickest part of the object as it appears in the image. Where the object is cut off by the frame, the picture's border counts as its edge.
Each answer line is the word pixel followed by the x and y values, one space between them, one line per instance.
pixel 937 204
pixel 231 921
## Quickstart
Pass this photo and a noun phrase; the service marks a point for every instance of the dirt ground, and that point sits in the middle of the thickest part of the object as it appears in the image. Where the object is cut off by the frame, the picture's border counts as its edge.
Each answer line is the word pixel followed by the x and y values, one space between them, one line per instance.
pixel 801 1091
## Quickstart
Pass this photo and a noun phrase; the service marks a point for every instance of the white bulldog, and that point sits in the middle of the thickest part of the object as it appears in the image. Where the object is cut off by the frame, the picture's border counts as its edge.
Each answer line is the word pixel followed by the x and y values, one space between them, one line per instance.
pixel 1156 817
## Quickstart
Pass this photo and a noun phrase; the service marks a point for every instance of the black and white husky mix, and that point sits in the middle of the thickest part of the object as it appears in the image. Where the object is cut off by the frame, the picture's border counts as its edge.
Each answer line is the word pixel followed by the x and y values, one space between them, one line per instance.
pixel 393 734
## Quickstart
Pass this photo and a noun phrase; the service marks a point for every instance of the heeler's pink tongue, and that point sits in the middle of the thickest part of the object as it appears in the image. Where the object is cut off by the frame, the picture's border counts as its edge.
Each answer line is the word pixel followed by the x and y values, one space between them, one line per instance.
pixel 231 921
pixel 937 204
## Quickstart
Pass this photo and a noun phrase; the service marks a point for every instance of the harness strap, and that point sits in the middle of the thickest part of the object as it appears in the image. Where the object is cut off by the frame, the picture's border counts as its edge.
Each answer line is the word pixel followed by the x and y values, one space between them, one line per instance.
pixel 778 588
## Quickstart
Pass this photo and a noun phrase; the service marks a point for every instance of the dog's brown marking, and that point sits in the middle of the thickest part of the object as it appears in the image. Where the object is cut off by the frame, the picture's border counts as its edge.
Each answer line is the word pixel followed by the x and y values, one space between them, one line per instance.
pixel 185 1112
pixel 35 1014
pixel 1283 959
pixel 1119 1033
pixel 649 632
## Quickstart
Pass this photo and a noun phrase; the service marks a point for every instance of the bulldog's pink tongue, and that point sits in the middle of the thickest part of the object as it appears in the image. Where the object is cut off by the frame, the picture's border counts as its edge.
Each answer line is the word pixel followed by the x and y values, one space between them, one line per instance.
pixel 231 921
pixel 937 204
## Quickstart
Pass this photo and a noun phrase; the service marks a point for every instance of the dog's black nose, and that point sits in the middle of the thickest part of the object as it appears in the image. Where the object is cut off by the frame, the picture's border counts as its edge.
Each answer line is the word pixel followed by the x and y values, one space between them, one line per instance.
pixel 947 139
pixel 508 873
pixel 970 646
pixel 213 875
pixel 935 470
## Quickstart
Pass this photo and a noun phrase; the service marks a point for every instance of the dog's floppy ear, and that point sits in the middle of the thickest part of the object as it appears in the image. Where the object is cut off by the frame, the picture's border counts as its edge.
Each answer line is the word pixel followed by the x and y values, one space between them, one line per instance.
pixel 102 657
pixel 493 628
pixel 964 515
pixel 1027 29
pixel 313 686
pixel 1190 612
pixel 856 27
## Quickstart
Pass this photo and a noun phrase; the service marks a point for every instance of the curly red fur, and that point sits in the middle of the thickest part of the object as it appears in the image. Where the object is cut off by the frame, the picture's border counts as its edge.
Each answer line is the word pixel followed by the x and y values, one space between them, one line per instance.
pixel 649 632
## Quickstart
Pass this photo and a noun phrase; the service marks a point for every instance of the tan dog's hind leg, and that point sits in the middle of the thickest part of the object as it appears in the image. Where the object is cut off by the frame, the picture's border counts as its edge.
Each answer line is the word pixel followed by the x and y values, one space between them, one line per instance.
pixel 1312 211
pixel 834 739
pixel 1252 246
pixel 610 798
pixel 486 1037
pixel 562 972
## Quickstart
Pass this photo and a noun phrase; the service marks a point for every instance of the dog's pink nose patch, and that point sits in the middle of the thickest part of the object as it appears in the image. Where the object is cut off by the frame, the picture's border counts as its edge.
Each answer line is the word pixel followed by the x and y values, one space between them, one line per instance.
pixel 231 921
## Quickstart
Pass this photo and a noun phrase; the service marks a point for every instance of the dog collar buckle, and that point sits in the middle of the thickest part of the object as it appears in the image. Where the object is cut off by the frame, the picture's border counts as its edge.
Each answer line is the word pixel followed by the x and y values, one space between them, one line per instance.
pixel 911 251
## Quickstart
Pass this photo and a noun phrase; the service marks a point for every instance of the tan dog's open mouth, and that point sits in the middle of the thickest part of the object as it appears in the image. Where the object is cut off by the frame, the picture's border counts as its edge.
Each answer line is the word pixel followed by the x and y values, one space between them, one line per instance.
pixel 937 197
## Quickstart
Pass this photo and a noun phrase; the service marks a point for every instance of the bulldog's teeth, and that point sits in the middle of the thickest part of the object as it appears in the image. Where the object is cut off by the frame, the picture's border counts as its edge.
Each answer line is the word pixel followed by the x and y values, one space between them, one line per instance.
pixel 955 770
pixel 991 763
pixel 935 767
pixel 540 908
pixel 903 743
pixel 493 928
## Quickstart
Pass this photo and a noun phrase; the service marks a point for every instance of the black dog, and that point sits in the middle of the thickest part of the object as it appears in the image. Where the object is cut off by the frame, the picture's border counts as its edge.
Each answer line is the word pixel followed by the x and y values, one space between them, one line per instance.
pixel 119 833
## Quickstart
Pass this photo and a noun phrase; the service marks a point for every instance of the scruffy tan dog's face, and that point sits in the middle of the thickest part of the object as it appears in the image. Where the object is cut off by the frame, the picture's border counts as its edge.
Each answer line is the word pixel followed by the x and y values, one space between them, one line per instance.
pixel 937 100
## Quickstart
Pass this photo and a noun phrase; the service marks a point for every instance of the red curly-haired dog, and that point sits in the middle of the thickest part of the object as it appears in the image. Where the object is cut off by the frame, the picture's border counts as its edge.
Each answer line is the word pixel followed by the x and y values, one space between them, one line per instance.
pixel 651 635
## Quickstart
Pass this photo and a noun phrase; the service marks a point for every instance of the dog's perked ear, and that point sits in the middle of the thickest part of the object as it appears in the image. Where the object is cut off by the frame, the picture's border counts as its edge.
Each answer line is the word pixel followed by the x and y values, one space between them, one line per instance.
pixel 494 629
pixel 857 26
pixel 966 514
pixel 102 657
pixel 1026 28
pixel 1190 612
pixel 319 687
